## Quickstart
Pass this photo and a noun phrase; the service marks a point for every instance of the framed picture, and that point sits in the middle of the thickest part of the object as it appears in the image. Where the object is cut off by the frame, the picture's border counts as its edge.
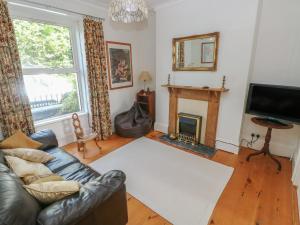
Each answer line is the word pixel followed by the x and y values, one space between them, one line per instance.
pixel 207 52
pixel 119 57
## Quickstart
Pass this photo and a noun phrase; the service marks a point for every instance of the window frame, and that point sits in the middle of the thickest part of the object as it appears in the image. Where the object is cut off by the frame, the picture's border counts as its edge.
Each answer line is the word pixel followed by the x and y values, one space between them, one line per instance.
pixel 74 24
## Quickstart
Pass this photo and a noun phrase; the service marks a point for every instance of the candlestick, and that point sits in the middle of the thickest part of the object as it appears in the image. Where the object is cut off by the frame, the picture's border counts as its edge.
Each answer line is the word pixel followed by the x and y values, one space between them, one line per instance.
pixel 223 82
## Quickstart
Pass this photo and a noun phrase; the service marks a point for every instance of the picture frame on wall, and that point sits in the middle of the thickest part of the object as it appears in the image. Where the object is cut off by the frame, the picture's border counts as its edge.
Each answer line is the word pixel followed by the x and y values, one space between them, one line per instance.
pixel 207 52
pixel 119 60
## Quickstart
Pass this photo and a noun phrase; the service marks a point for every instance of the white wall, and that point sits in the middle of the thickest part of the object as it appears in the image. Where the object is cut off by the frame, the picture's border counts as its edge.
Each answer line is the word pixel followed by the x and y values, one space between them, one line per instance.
pixel 296 174
pixel 235 20
pixel 296 171
pixel 142 38
pixel 276 61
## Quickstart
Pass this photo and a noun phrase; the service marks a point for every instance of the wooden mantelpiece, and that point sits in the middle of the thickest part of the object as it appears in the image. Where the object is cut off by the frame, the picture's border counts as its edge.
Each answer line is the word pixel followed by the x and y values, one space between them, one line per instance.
pixel 211 95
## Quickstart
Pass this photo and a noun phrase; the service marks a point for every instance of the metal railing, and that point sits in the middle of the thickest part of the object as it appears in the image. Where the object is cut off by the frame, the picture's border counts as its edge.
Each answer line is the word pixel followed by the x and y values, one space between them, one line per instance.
pixel 46 100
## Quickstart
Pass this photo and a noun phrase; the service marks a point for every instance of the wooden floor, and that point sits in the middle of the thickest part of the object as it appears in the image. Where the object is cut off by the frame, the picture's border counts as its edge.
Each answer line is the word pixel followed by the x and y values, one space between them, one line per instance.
pixel 255 195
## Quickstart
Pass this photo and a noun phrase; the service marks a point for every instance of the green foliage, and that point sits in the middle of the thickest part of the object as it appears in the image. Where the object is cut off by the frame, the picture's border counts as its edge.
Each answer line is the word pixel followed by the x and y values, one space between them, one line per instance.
pixel 43 45
pixel 70 102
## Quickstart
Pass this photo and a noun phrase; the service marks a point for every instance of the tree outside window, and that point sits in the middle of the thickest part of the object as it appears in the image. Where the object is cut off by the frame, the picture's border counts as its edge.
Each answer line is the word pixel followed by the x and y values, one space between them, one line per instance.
pixel 49 73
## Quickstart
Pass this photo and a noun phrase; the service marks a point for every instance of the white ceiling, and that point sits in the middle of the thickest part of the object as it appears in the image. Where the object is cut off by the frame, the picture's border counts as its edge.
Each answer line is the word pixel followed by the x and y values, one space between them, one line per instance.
pixel 152 3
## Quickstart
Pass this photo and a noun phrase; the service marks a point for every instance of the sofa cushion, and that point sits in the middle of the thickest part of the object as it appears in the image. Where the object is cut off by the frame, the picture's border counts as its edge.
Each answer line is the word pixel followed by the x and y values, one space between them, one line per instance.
pixel 17 207
pixel 78 172
pixel 53 177
pixel 47 138
pixel 19 140
pixel 23 168
pixel 61 159
pixel 52 191
pixel 32 155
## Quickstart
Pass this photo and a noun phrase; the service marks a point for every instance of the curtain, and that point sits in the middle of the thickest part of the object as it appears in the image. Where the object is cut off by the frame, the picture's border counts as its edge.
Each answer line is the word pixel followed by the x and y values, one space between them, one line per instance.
pixel 15 112
pixel 97 77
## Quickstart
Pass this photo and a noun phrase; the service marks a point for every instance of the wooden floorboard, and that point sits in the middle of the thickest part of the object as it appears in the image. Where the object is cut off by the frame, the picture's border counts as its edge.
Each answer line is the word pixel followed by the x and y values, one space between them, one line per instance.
pixel 256 194
pixel 296 220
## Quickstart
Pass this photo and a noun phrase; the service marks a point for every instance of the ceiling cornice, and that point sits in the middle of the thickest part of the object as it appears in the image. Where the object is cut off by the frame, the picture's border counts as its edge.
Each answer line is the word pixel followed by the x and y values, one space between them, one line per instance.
pixel 167 4
pixel 151 7
pixel 95 3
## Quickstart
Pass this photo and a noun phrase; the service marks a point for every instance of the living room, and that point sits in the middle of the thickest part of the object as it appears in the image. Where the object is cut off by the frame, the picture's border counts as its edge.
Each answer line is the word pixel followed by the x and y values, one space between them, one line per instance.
pixel 145 112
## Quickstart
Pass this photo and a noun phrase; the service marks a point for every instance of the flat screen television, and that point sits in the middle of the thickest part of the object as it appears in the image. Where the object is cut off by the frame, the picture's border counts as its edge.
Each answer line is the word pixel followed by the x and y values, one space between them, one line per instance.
pixel 274 102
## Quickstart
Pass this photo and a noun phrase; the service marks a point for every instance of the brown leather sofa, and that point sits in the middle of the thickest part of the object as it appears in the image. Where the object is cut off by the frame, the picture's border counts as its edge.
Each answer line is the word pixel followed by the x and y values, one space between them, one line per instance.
pixel 101 200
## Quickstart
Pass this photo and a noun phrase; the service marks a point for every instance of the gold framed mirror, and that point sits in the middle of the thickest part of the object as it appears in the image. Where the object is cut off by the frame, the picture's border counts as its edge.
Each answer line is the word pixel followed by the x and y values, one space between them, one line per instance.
pixel 196 53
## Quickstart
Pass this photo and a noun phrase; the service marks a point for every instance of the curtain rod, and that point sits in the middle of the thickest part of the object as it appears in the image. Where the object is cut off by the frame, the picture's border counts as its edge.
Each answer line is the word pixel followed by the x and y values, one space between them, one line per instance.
pixel 50 7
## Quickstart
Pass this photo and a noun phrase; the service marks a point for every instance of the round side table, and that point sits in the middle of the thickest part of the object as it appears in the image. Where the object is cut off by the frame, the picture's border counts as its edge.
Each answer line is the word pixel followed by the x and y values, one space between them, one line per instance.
pixel 270 124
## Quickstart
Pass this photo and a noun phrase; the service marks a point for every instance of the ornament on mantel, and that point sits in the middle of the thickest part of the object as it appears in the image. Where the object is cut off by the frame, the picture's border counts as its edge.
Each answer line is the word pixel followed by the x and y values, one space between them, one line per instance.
pixel 223 82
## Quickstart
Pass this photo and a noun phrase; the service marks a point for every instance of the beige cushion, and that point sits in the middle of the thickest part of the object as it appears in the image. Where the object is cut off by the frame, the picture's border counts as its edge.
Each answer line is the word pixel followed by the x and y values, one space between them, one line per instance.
pixel 52 191
pixel 23 168
pixel 29 154
pixel 30 179
pixel 49 179
pixel 19 140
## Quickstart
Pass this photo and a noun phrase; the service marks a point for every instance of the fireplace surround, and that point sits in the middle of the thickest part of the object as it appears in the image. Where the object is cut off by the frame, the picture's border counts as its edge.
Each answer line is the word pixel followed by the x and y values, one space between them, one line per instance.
pixel 211 95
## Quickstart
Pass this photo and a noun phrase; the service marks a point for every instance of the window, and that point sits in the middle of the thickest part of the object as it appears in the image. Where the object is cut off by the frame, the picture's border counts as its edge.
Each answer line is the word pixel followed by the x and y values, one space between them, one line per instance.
pixel 50 73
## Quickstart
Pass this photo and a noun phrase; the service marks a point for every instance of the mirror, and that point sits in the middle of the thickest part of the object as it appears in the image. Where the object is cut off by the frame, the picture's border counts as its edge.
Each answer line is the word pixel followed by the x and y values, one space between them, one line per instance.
pixel 196 53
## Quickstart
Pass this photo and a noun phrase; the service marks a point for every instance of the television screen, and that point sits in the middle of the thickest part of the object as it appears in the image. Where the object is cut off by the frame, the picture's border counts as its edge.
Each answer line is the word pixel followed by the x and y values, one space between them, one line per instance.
pixel 279 102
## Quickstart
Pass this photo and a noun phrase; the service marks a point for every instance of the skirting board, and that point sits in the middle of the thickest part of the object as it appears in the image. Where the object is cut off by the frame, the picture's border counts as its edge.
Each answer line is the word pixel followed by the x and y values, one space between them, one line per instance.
pixel 161 127
pixel 227 147
pixel 219 145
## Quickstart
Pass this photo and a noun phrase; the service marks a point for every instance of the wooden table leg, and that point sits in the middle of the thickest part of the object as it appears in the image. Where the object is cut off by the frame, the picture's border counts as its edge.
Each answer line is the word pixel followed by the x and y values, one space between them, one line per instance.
pixel 276 161
pixel 266 149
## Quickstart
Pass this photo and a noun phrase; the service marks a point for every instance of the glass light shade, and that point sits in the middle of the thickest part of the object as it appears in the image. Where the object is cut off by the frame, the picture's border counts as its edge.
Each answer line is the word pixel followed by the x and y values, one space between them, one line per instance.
pixel 128 11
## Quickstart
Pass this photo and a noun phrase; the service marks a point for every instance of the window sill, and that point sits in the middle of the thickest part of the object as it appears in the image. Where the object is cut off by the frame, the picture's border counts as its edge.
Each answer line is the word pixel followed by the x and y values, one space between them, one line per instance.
pixel 57 119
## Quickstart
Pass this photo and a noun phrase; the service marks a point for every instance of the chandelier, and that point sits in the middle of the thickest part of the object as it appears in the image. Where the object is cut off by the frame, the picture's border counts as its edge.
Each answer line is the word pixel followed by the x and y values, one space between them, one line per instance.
pixel 128 11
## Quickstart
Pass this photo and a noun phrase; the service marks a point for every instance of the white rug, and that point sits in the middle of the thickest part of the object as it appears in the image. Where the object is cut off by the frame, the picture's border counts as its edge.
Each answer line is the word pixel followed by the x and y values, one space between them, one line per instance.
pixel 181 187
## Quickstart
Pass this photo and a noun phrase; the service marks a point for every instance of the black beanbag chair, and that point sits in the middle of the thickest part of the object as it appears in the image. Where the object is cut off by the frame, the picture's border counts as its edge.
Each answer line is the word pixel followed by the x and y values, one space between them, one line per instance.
pixel 134 123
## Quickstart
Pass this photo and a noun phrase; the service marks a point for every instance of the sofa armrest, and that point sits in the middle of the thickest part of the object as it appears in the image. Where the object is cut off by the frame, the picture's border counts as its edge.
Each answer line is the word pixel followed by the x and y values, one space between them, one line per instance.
pixel 46 137
pixel 77 207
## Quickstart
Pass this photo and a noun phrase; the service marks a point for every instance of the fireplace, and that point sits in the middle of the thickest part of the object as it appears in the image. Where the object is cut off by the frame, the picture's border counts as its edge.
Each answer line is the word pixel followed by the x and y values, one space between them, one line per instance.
pixel 188 128
pixel 211 95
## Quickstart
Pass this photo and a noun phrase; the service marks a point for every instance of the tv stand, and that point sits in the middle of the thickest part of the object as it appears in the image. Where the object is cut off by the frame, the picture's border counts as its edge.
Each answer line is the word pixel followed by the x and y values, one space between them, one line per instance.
pixel 270 124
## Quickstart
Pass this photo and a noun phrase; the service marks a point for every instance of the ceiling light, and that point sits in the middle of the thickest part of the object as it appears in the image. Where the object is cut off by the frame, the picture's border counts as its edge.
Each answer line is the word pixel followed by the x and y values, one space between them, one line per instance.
pixel 128 11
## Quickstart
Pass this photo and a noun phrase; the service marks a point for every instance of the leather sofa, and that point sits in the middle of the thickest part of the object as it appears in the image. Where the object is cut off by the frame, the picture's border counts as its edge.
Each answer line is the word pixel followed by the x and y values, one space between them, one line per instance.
pixel 101 200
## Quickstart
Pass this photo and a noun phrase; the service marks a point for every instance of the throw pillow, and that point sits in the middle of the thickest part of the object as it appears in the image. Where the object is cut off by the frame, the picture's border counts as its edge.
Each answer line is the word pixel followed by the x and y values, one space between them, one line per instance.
pixel 29 154
pixel 23 168
pixel 50 192
pixel 48 179
pixel 30 179
pixel 20 140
